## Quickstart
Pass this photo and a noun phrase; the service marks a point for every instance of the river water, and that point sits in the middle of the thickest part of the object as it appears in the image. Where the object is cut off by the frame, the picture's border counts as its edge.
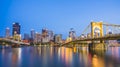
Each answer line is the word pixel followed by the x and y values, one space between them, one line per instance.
pixel 44 56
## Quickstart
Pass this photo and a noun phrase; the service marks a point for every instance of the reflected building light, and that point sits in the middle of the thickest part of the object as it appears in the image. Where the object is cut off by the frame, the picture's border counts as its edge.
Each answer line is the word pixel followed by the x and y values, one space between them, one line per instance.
pixel 59 53
pixel 68 56
pixel 19 54
pixel 7 32
pixel 40 50
pixel 115 52
pixel 97 62
pixel 63 52
pixel 74 49
pixel 51 52
pixel 3 51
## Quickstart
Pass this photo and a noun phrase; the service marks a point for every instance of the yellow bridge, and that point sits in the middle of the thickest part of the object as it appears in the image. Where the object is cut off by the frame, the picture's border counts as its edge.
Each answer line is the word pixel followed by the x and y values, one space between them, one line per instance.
pixel 97 31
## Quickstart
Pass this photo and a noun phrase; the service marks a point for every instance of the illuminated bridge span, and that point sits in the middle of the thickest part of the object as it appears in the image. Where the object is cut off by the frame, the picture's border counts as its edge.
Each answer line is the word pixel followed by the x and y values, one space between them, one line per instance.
pixel 9 41
pixel 110 37
pixel 98 31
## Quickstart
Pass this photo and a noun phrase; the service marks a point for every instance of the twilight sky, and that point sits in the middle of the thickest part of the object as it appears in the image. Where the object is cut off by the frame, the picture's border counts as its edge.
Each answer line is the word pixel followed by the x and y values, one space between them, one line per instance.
pixel 57 15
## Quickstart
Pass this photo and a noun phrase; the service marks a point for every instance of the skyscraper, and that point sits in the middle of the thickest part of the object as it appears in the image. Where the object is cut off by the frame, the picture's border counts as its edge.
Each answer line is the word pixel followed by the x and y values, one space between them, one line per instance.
pixel 16 28
pixel 32 34
pixel 37 37
pixel 51 35
pixel 45 36
pixel 72 34
pixel 44 32
pixel 26 36
pixel 7 32
pixel 58 38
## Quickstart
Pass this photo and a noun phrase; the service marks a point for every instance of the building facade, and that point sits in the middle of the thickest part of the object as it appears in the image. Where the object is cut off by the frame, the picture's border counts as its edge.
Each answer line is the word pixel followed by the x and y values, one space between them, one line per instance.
pixel 32 34
pixel 58 38
pixel 37 37
pixel 72 34
pixel 16 32
pixel 16 28
pixel 7 34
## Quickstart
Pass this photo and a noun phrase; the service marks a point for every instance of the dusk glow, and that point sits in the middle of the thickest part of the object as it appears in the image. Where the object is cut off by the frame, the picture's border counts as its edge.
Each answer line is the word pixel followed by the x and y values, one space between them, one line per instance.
pixel 59 33
pixel 59 16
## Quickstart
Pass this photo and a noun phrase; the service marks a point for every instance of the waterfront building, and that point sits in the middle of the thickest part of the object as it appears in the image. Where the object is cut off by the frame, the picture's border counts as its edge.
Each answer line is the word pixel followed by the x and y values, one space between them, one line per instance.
pixel 58 38
pixel 68 39
pixel 16 31
pixel 32 34
pixel 26 36
pixel 45 39
pixel 17 37
pixel 72 34
pixel 89 35
pixel 51 35
pixel 16 28
pixel 44 32
pixel 45 35
pixel 7 32
pixel 37 37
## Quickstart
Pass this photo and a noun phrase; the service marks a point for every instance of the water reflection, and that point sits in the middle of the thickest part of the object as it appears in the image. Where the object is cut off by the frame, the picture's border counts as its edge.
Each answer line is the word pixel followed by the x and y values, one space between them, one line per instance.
pixel 43 56
pixel 66 55
pixel 97 62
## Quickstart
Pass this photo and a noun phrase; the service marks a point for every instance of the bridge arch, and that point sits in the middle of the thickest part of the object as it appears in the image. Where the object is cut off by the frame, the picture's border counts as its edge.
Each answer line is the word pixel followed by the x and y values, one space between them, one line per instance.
pixel 96 25
pixel 96 32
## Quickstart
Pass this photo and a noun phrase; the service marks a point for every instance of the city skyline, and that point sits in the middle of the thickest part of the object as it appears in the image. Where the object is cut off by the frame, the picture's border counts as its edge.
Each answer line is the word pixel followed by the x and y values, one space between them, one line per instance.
pixel 58 16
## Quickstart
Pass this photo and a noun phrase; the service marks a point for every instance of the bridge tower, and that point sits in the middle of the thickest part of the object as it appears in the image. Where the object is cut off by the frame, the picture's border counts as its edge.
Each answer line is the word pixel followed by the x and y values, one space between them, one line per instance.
pixel 99 26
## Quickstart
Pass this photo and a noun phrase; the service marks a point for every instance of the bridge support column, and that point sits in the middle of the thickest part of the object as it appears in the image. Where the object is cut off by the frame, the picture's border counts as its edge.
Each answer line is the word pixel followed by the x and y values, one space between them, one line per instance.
pixel 101 41
pixel 97 46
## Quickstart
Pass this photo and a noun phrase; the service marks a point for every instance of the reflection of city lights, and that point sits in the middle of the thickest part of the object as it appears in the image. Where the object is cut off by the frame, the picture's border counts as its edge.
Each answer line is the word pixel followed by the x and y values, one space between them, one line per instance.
pixel 59 52
pixel 3 51
pixel 39 49
pixel 75 49
pixel 63 52
pixel 51 52
pixel 97 62
pixel 66 54
pixel 19 53
pixel 115 52
pixel 84 56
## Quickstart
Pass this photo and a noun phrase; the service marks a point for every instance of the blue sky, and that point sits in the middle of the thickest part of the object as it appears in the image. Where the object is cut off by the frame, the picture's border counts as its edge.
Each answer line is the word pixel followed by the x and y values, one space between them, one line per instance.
pixel 57 15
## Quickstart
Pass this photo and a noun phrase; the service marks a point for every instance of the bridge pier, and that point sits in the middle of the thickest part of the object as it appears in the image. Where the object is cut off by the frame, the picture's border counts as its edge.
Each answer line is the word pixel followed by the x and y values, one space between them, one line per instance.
pixel 101 41
pixel 97 46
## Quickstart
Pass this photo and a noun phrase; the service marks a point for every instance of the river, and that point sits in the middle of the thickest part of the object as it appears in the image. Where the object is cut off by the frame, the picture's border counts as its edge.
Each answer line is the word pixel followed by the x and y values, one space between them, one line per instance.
pixel 44 56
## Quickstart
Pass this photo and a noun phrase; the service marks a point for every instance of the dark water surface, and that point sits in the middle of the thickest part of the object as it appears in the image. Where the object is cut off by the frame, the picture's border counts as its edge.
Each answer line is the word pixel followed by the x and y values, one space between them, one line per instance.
pixel 34 56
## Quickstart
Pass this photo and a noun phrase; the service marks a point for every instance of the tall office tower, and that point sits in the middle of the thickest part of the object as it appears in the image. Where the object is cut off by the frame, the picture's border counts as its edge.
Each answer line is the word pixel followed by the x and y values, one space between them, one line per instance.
pixel 33 34
pixel 58 38
pixel 37 37
pixel 26 36
pixel 16 28
pixel 7 32
pixel 45 36
pixel 44 32
pixel 72 34
pixel 51 35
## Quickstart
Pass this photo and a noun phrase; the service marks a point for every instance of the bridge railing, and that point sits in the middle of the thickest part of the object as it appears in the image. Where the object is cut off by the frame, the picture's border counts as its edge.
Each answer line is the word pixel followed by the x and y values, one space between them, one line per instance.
pixel 105 36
